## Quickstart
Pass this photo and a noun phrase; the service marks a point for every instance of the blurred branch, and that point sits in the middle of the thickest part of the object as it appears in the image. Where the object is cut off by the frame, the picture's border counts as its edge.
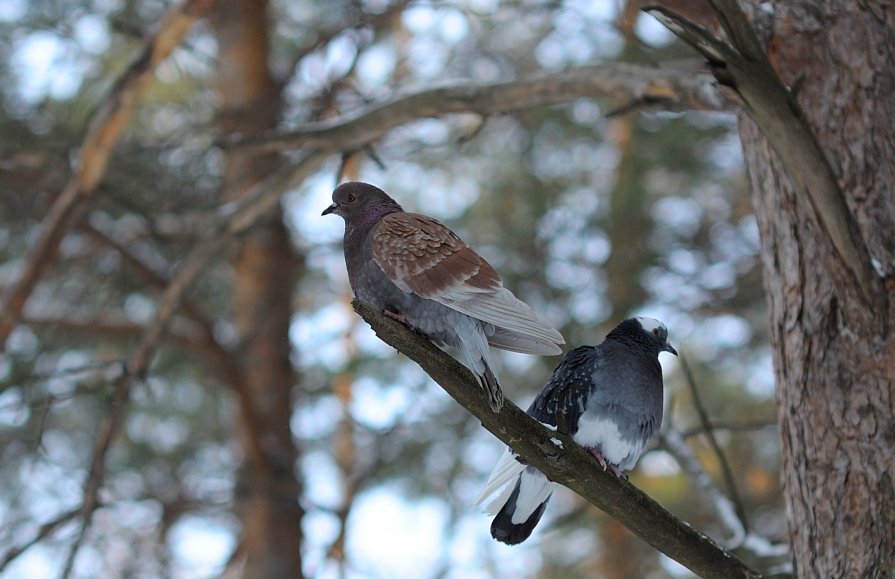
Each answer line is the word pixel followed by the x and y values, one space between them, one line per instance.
pixel 42 533
pixel 726 473
pixel 739 426
pixel 561 459
pixel 360 19
pixel 673 442
pixel 746 76
pixel 106 126
pixel 108 325
pixel 230 221
pixel 665 89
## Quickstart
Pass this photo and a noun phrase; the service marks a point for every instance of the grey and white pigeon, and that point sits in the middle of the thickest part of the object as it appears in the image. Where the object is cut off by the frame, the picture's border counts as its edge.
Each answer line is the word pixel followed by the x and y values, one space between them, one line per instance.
pixel 608 397
pixel 419 272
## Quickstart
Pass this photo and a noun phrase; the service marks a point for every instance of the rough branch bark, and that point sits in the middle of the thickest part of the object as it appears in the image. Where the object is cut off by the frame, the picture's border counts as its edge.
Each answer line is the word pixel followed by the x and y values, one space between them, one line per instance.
pixel 561 459
pixel 650 86
pixel 105 128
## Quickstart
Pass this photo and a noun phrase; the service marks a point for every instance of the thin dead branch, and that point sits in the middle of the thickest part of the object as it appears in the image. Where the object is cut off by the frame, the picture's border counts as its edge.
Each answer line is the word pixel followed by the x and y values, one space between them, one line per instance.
pixel 726 472
pixel 42 533
pixel 672 441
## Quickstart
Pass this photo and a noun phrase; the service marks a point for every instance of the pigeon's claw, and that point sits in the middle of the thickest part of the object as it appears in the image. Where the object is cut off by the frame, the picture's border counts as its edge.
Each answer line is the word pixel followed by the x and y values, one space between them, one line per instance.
pixel 608 465
pixel 600 459
pixel 618 472
pixel 397 316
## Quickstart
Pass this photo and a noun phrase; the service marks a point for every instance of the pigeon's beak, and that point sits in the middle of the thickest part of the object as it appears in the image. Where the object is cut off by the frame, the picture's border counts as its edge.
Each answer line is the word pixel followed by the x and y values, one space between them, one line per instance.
pixel 670 349
pixel 331 209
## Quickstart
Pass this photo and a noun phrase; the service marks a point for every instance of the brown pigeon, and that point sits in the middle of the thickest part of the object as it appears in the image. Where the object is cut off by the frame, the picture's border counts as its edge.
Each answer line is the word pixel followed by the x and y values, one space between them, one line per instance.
pixel 418 271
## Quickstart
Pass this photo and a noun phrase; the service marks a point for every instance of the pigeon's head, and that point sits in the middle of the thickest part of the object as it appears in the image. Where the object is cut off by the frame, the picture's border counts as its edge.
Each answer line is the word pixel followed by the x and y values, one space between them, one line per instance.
pixel 657 333
pixel 355 198
pixel 645 331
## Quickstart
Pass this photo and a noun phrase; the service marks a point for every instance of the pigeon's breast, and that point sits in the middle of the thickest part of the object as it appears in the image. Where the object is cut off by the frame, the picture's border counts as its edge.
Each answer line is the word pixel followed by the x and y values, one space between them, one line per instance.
pixel 599 431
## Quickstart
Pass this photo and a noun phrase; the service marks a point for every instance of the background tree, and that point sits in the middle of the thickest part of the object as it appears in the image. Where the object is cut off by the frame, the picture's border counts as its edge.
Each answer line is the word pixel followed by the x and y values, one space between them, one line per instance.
pixel 186 391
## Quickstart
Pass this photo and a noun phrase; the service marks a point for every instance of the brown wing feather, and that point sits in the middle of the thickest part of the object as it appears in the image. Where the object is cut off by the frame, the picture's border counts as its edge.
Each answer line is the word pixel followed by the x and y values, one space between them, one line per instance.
pixel 420 254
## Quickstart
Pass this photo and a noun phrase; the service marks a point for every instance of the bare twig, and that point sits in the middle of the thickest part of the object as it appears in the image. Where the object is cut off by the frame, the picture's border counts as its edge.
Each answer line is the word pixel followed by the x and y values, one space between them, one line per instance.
pixel 42 533
pixel 726 473
pixel 738 426
pixel 113 325
pixel 672 441
pixel 561 459
pixel 105 128
pixel 361 20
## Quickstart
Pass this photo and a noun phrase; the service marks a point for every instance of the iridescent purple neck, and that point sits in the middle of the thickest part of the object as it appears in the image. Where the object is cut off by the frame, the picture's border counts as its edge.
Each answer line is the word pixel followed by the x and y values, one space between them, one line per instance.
pixel 369 217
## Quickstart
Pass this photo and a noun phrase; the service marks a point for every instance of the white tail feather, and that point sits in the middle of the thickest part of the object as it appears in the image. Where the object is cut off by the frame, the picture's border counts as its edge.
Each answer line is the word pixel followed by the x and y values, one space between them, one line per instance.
pixel 506 470
pixel 493 507
pixel 534 489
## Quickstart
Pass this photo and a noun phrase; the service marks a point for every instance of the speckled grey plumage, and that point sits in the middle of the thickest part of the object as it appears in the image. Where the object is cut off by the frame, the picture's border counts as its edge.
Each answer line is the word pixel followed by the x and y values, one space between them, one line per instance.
pixel 608 398
pixel 416 270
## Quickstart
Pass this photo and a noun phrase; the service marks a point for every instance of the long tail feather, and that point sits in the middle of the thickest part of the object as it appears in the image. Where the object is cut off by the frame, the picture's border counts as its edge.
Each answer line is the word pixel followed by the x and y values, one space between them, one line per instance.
pixel 523 509
pixel 506 469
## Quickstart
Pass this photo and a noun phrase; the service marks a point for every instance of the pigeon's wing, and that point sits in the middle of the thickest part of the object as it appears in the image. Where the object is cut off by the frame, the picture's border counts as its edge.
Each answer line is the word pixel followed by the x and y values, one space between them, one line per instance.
pixel 563 399
pixel 422 256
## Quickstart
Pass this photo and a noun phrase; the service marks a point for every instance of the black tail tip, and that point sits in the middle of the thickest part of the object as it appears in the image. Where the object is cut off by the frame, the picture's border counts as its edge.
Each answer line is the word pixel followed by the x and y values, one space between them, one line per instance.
pixel 513 537
pixel 503 528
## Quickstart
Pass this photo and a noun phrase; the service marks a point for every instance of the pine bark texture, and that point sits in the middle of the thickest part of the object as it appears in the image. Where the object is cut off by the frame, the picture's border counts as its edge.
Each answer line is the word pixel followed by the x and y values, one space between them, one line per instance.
pixel 834 356
pixel 264 268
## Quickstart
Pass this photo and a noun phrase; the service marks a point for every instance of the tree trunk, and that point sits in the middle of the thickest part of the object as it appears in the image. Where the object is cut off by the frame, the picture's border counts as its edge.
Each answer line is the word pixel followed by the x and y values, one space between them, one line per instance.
pixel 835 370
pixel 264 269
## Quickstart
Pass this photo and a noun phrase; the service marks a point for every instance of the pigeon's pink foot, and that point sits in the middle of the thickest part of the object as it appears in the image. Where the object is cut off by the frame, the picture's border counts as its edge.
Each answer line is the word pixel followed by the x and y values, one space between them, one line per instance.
pixel 397 316
pixel 600 459
pixel 608 465
pixel 618 472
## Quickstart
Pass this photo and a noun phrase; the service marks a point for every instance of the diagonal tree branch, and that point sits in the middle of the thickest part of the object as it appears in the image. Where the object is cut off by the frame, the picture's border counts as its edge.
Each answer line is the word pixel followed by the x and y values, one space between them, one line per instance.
pixel 106 126
pixel 562 460
pixel 745 71
pixel 663 88
pixel 42 533
pixel 232 220
pixel 726 472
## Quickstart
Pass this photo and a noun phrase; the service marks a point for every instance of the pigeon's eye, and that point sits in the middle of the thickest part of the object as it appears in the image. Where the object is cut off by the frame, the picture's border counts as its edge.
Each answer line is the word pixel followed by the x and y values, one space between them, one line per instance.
pixel 655 331
pixel 351 198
